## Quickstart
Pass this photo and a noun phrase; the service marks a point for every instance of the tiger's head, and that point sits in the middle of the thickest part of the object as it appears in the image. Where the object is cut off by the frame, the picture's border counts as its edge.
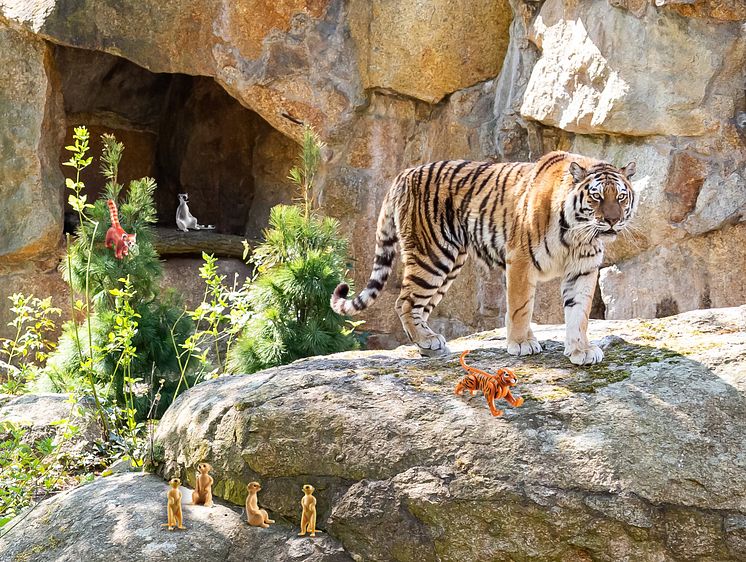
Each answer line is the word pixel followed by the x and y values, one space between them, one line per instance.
pixel 603 197
pixel 506 377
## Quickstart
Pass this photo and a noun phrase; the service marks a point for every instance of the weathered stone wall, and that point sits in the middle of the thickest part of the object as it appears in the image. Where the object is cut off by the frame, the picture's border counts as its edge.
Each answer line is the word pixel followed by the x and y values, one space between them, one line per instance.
pixel 389 85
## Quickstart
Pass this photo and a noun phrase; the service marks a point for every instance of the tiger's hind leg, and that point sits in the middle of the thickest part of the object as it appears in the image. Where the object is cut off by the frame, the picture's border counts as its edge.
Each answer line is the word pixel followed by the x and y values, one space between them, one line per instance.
pixel 420 284
pixel 438 296
pixel 521 287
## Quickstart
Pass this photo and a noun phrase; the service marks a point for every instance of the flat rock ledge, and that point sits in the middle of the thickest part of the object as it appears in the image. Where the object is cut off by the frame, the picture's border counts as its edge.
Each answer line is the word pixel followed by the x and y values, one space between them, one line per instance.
pixel 641 458
pixel 118 519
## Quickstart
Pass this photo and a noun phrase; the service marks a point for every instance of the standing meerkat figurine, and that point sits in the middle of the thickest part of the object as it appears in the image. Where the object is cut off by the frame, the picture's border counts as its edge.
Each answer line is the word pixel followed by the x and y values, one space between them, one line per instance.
pixel 174 506
pixel 202 493
pixel 308 518
pixel 256 516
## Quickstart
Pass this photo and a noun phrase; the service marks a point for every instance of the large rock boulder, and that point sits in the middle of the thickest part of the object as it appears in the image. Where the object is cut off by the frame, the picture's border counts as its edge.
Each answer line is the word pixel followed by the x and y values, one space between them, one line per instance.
pixel 72 426
pixel 119 518
pixel 30 138
pixel 594 76
pixel 429 49
pixel 638 458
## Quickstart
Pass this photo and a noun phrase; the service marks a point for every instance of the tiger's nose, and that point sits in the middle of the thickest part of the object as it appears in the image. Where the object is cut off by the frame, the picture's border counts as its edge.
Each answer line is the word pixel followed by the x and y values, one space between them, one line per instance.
pixel 612 220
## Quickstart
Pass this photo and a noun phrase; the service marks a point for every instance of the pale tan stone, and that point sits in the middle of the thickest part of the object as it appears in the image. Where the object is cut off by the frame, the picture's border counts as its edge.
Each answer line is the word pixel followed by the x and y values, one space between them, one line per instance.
pixel 430 48
pixel 603 70
pixel 701 272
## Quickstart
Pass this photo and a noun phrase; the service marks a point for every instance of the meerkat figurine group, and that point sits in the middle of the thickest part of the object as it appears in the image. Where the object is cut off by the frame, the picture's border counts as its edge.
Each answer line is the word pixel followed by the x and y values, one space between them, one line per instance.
pixel 255 516
pixel 202 495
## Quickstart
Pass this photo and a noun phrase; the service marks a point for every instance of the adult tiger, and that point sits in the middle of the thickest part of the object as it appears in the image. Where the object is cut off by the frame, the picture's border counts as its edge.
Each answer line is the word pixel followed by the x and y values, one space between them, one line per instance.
pixel 538 220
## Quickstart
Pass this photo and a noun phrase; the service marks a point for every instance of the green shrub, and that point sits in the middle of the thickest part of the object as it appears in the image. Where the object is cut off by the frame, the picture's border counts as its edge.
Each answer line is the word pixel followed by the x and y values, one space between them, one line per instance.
pixel 137 214
pixel 301 261
pixel 32 468
pixel 23 356
pixel 154 348
pixel 84 355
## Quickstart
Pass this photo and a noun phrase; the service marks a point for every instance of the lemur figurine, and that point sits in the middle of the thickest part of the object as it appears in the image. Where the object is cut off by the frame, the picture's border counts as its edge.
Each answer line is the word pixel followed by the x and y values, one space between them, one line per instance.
pixel 184 219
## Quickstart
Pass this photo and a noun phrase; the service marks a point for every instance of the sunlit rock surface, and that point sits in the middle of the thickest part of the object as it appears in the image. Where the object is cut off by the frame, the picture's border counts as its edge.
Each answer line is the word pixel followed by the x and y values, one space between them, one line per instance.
pixel 641 457
pixel 389 85
pixel 51 415
pixel 118 518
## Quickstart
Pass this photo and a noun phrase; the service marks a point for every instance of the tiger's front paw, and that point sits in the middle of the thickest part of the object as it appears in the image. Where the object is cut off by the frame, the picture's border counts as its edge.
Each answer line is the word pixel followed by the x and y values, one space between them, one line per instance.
pixel 433 346
pixel 589 356
pixel 526 347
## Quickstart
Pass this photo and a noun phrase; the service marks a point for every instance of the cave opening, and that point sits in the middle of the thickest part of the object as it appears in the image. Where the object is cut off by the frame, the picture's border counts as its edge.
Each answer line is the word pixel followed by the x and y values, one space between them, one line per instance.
pixel 184 131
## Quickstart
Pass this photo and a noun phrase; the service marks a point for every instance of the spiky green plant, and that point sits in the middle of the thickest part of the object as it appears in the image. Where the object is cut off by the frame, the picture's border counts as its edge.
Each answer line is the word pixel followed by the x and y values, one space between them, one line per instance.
pixel 301 261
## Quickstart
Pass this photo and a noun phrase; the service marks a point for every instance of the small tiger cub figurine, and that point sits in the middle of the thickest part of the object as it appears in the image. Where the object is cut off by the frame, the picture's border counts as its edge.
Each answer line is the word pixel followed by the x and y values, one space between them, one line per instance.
pixel 492 386
pixel 116 237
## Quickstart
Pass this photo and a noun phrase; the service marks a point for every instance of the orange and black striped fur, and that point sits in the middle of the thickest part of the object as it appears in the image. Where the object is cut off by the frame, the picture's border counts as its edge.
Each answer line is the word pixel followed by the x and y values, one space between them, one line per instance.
pixel 537 220
pixel 116 237
pixel 493 387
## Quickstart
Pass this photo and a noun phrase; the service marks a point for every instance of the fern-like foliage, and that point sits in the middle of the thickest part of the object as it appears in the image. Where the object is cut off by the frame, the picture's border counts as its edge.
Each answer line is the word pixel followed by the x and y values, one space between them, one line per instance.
pixel 301 261
pixel 137 215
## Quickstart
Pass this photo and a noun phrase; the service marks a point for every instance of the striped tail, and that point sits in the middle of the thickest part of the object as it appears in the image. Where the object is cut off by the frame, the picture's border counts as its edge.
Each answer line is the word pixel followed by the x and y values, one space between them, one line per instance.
pixel 386 239
pixel 462 357
pixel 113 213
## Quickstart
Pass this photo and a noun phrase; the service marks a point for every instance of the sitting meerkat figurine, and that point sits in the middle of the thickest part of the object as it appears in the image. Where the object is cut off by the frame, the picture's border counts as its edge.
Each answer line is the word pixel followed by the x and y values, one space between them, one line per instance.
pixel 308 518
pixel 174 506
pixel 256 516
pixel 202 493
pixel 184 219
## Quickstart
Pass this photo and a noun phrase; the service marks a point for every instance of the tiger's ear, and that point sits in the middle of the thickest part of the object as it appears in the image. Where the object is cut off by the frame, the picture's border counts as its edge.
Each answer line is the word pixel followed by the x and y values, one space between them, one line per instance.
pixel 577 172
pixel 629 170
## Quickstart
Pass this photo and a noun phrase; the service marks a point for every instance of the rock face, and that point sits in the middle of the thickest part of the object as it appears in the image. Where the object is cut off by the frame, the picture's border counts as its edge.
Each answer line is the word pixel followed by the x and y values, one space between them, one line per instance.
pixel 638 458
pixel 429 49
pixel 30 200
pixel 38 414
pixel 711 280
pixel 590 79
pixel 388 85
pixel 119 518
